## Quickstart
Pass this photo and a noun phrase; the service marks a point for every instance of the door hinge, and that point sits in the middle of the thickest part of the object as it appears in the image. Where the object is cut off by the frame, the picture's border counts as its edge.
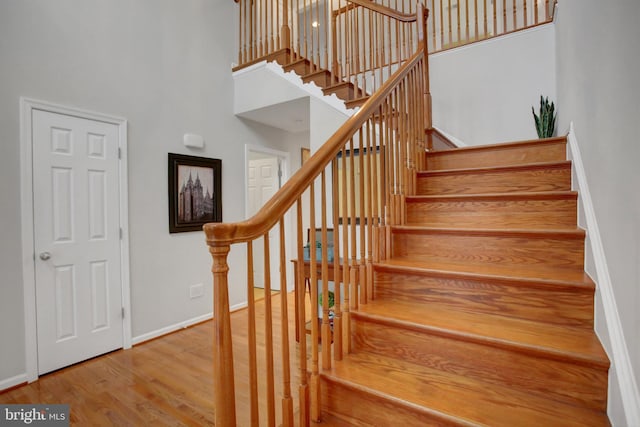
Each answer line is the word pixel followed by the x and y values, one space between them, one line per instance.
pixel 119 152
pixel 120 233
pixel 123 312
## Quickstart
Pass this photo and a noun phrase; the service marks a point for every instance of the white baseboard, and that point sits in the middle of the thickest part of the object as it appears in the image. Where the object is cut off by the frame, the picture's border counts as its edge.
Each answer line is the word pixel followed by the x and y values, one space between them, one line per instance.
pixel 620 353
pixel 238 306
pixel 13 381
pixel 171 328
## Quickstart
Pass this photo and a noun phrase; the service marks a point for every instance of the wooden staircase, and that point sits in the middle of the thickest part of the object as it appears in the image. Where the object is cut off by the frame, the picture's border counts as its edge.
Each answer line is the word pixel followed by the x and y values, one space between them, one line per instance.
pixel 482 314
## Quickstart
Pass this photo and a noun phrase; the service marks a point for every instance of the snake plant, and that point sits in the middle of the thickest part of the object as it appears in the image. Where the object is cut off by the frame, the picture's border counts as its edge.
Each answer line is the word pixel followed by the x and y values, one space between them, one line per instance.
pixel 546 122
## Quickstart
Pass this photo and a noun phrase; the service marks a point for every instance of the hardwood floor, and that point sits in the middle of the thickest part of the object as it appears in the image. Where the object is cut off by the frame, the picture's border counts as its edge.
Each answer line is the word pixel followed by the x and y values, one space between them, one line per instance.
pixel 164 382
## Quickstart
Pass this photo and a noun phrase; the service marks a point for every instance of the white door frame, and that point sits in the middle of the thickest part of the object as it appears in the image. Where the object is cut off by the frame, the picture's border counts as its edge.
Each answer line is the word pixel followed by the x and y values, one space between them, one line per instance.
pixel 27 105
pixel 248 148
pixel 285 157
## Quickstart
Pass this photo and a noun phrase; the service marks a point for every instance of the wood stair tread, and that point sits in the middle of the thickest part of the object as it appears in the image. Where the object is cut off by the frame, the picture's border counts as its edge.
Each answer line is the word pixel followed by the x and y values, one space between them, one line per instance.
pixel 576 233
pixel 500 145
pixel 524 195
pixel 537 165
pixel 499 271
pixel 551 341
pixel 452 398
pixel 576 279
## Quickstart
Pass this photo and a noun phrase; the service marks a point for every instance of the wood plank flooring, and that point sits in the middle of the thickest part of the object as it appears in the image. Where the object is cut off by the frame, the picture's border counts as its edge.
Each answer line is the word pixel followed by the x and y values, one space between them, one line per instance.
pixel 164 382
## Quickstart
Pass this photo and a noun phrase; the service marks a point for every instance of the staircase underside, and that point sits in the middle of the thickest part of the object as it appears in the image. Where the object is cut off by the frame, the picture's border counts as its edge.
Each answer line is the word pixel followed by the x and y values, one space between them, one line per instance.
pixel 482 314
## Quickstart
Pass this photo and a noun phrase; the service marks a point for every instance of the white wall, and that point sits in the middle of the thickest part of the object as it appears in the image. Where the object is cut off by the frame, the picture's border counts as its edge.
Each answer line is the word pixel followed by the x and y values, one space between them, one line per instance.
pixel 598 69
pixel 165 67
pixel 483 93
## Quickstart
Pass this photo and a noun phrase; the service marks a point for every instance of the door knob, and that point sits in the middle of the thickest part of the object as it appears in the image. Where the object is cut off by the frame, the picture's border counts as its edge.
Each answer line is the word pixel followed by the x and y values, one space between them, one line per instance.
pixel 45 256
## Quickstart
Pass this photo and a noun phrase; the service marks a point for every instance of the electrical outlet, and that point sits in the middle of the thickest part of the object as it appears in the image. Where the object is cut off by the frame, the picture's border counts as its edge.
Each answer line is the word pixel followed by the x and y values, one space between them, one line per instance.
pixel 196 291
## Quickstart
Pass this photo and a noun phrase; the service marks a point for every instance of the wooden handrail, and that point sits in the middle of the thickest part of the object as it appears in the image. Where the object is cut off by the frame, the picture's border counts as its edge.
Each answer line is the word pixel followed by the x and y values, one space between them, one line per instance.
pixel 224 234
pixel 381 9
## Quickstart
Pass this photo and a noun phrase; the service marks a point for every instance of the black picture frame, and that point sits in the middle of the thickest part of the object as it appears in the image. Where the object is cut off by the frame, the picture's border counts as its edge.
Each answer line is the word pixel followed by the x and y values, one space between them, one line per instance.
pixel 195 192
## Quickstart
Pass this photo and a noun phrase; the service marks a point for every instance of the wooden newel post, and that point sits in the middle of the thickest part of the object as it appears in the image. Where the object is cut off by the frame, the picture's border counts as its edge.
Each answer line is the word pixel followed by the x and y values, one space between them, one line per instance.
pixel 423 14
pixel 223 383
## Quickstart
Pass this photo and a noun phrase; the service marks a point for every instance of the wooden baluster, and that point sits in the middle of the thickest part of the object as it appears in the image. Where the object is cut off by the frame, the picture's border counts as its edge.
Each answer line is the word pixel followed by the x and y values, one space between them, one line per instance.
pixel 495 17
pixel 475 13
pixel 223 381
pixel 313 265
pixel 388 163
pixel 504 17
pixel 362 219
pixel 441 26
pixel 486 29
pixel 547 14
pixel 268 334
pixel 334 43
pixel 354 261
pixel 325 31
pixel 305 44
pixel 287 401
pixel 270 32
pixel 315 34
pixel 515 16
pixel 345 254
pixel 370 49
pixel 356 46
pixel 376 144
pixel 536 17
pixel 303 389
pixel 259 26
pixel 252 33
pixel 337 280
pixel 434 46
pixel 398 48
pixel 450 24
pixel 241 40
pixel 466 18
pixel 458 23
pixel 253 364
pixel 524 14
pixel 326 327
pixel 298 34
pixel 370 184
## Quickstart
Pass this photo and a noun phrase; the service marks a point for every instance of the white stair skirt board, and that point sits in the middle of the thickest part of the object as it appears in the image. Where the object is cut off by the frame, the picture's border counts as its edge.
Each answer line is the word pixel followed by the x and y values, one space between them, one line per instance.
pixel 621 360
pixel 452 138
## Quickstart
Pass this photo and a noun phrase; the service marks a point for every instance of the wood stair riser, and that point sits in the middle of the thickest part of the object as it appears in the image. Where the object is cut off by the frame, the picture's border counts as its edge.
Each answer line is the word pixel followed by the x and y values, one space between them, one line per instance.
pixel 494 212
pixel 532 250
pixel 321 78
pixel 550 177
pixel 301 67
pixel 364 408
pixel 562 305
pixel 565 380
pixel 344 91
pixel 499 155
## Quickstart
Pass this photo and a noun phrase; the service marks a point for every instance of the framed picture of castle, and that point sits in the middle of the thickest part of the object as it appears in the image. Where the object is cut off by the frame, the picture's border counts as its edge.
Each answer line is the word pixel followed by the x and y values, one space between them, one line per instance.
pixel 195 192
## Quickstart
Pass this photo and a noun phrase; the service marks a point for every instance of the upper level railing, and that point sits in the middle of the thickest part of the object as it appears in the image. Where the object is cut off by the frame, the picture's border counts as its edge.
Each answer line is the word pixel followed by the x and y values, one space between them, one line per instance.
pixel 363 41
pixel 455 23
pixel 351 191
pixel 359 41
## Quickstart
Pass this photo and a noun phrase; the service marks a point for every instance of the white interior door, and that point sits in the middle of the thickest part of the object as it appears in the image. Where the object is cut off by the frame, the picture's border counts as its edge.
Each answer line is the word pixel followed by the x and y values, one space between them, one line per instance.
pixel 77 239
pixel 263 182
